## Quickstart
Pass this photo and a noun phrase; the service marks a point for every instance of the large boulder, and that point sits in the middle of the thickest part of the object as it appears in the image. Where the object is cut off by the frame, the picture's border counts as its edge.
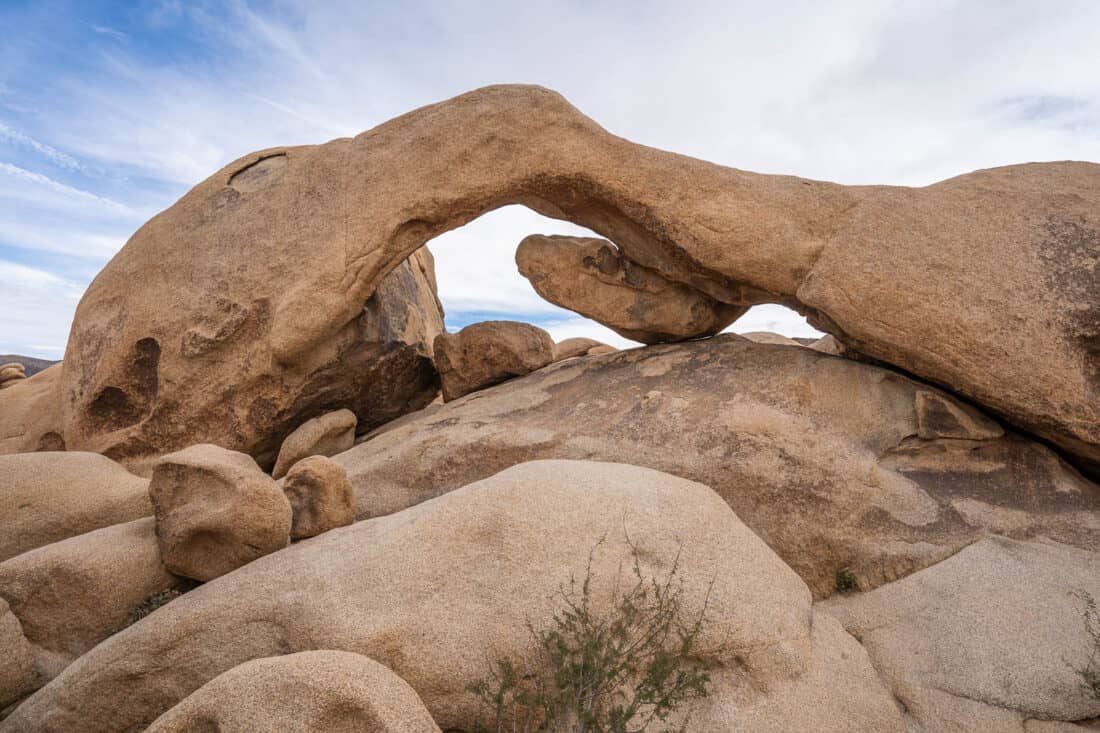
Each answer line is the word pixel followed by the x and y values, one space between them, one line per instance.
pixel 490 352
pixel 326 435
pixel 154 369
pixel 215 511
pixel 1010 318
pixel 321 497
pixel 592 277
pixel 46 497
pixel 839 466
pixel 331 691
pixel 414 590
pixel 71 595
pixel 985 640
pixel 17 668
pixel 30 414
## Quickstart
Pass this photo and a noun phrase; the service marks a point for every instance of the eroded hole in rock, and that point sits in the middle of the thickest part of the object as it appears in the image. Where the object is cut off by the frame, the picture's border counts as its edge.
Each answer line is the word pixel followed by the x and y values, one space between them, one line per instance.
pixel 261 173
pixel 131 398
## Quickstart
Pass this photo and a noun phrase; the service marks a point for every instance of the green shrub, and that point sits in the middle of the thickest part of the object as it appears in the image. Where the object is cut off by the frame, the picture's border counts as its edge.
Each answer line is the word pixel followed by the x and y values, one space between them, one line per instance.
pixel 151 604
pixel 620 671
pixel 846 581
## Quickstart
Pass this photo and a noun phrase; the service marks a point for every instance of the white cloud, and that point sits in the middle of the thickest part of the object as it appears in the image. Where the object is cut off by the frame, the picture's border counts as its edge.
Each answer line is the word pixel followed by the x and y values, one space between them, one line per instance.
pixel 38 310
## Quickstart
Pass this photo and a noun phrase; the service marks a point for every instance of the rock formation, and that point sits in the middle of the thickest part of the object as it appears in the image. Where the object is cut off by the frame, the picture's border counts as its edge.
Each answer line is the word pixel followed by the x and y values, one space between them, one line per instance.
pixel 326 435
pixel 487 353
pixel 592 277
pixel 838 465
pixel 11 373
pixel 579 346
pixel 308 691
pixel 30 414
pixel 321 497
pixel 216 511
pixel 17 672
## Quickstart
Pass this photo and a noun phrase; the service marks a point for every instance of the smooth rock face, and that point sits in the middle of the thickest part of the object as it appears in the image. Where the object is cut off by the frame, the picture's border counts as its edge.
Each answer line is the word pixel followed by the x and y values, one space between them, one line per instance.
pixel 986 639
pixel 326 435
pixel 487 353
pixel 331 691
pixel 17 670
pixel 410 590
pixel 820 456
pixel 46 497
pixel 157 369
pixel 593 278
pixel 578 346
pixel 30 414
pixel 321 497
pixel 1011 320
pixel 215 511
pixel 73 594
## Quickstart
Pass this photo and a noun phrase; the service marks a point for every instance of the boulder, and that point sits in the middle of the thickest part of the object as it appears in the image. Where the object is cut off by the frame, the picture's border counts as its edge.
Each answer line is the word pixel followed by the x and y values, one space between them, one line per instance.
pixel 321 497
pixel 594 278
pixel 487 353
pixel 986 639
pixel 767 337
pixel 10 373
pixel 73 594
pixel 17 669
pixel 327 435
pixel 414 590
pixel 215 511
pixel 579 346
pixel 30 414
pixel 828 344
pixel 822 457
pixel 1010 319
pixel 189 360
pixel 601 349
pixel 307 691
pixel 46 497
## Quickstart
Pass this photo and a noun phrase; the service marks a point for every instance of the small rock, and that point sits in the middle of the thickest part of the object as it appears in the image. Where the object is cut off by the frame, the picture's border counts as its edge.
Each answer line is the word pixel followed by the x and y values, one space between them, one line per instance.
pixel 487 353
pixel 216 511
pixel 326 435
pixel 767 337
pixel 321 497
pixel 579 346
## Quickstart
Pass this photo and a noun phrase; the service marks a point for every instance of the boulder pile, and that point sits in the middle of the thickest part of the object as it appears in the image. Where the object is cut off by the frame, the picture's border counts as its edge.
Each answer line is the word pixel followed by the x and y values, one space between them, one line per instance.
pixel 289 499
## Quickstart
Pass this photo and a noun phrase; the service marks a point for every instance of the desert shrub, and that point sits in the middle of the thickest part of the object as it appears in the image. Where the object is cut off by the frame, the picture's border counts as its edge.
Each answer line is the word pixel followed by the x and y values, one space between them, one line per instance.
pixel 846 581
pixel 150 604
pixel 1090 671
pixel 619 671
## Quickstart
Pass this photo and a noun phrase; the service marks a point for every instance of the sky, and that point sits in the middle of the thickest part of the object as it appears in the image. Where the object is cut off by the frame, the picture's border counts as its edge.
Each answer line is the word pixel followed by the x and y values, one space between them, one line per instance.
pixel 110 111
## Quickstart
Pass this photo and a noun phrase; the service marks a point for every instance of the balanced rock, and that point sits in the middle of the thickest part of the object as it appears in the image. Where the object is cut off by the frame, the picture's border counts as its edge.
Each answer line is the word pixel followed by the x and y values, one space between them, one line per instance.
pixel 73 594
pixel 593 278
pixel 321 497
pixel 17 668
pixel 46 497
pixel 578 346
pixel 326 435
pixel 1019 607
pixel 307 691
pixel 216 511
pixel 413 591
pixel 823 457
pixel 487 353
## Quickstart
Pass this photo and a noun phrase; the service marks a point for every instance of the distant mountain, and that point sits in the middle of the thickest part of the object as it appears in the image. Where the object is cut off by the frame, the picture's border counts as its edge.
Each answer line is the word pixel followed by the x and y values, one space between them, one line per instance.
pixel 33 365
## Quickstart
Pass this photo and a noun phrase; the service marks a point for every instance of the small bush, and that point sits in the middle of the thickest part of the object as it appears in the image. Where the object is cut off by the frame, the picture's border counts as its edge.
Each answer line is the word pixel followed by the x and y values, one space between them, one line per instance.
pixel 846 581
pixel 616 672
pixel 1090 672
pixel 151 604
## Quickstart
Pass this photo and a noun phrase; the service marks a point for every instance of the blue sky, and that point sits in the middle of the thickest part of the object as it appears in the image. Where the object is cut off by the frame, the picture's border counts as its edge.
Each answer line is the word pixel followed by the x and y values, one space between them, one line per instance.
pixel 109 111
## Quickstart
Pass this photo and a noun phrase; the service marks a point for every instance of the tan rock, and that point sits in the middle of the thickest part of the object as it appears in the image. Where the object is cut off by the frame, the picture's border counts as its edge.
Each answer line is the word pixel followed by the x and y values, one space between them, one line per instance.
pixel 592 277
pixel 600 350
pixel 828 344
pixel 46 497
pixel 308 691
pixel 73 594
pixel 321 497
pixel 579 346
pixel 17 670
pixel 767 337
pixel 985 639
pixel 215 511
pixel 30 414
pixel 11 372
pixel 487 353
pixel 189 361
pixel 327 435
pixel 820 456
pixel 410 591
pixel 1008 320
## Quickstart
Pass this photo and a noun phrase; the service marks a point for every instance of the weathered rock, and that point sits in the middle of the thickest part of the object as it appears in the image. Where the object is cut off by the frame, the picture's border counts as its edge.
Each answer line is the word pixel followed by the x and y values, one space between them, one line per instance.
pixel 591 276
pixel 985 639
pixel 72 594
pixel 308 691
pixel 215 511
pixel 321 497
pixel 828 344
pixel 17 671
pixel 46 497
pixel 30 414
pixel 326 435
pixel 578 346
pixel 1010 319
pixel 767 337
pixel 487 353
pixel 600 350
pixel 11 373
pixel 821 456
pixel 156 369
pixel 410 591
